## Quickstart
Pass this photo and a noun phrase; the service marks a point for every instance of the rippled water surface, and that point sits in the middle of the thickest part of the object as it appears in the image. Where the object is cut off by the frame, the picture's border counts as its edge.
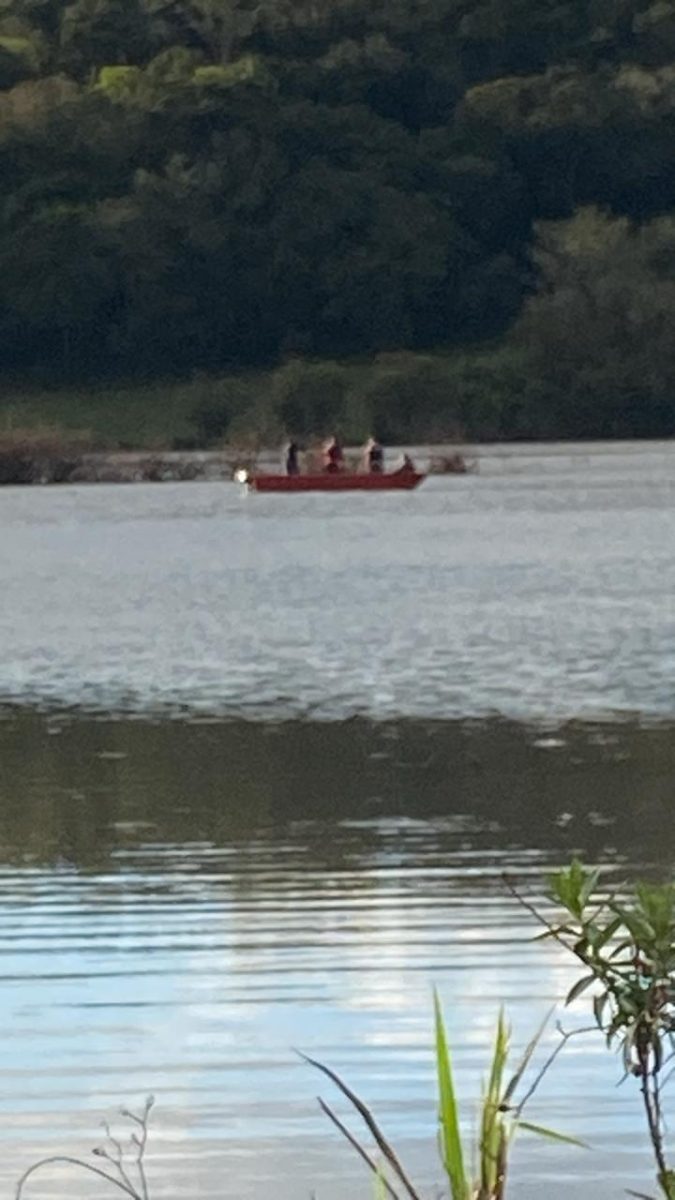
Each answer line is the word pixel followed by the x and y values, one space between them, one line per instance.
pixel 543 586
pixel 182 904
pixel 188 892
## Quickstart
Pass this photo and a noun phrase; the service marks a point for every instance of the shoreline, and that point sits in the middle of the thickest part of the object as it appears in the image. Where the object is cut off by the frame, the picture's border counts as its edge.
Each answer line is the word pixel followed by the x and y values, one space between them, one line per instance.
pixel 37 467
pixel 171 466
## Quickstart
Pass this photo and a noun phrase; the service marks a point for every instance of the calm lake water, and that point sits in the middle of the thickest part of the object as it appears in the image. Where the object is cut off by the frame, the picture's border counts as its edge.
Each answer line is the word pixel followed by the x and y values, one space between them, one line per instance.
pixel 263 763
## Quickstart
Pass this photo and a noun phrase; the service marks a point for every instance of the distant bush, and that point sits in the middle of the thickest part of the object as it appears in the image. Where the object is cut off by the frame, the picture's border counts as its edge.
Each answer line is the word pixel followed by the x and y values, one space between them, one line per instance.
pixel 540 384
pixel 598 333
pixel 401 397
pixel 309 397
pixel 41 455
pixel 404 397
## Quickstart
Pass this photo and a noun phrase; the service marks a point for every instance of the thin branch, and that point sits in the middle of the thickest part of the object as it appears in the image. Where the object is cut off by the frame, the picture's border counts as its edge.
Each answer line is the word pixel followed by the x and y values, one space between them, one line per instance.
pixel 545 1068
pixel 141 1171
pixel 116 1159
pixel 142 1120
pixel 384 1146
pixel 113 1142
pixel 117 1162
pixel 551 929
pixel 357 1146
pixel 669 1075
pixel 657 1104
pixel 141 1141
pixel 601 969
pixel 606 903
pixel 652 1113
pixel 73 1162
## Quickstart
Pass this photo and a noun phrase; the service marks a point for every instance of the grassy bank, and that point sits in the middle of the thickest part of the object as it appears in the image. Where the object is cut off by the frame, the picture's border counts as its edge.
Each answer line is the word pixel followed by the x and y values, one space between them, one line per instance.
pixel 504 392
pixel 403 397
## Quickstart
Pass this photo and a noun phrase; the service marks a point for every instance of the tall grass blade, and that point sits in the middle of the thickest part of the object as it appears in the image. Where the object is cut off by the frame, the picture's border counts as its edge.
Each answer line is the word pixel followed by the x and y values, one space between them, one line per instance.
pixel 526 1058
pixel 383 1185
pixel 380 1190
pixel 385 1147
pixel 493 1133
pixel 448 1114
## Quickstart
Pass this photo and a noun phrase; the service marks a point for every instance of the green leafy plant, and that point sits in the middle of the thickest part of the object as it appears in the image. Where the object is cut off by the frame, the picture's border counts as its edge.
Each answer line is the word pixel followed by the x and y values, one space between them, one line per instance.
pixel 626 944
pixel 501 1116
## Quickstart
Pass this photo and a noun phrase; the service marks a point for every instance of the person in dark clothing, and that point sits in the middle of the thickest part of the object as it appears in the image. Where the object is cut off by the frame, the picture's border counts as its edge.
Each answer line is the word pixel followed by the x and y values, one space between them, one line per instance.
pixel 372 458
pixel 375 456
pixel 406 466
pixel 292 461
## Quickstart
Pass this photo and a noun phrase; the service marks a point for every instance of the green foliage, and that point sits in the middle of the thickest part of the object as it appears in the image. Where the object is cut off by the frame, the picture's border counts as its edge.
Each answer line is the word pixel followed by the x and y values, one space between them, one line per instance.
pixel 626 945
pixel 121 84
pixel 19 59
pixel 247 69
pixel 452 1153
pixel 500 1116
pixel 339 179
pixel 482 396
pixel 598 333
pixel 95 32
pixel 500 1119
pixel 495 1133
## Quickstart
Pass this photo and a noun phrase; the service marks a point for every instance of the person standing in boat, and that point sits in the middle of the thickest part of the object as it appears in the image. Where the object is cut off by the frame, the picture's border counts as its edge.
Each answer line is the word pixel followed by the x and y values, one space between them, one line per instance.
pixel 374 456
pixel 333 458
pixel 292 460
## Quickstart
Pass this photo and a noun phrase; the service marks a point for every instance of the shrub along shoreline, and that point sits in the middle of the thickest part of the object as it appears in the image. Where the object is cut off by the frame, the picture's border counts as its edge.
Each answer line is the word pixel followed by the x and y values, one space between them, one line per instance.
pixel 402 396
pixel 495 394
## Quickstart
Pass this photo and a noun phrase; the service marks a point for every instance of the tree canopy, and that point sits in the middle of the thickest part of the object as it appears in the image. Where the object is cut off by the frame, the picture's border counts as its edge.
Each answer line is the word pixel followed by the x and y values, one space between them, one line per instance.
pixel 208 185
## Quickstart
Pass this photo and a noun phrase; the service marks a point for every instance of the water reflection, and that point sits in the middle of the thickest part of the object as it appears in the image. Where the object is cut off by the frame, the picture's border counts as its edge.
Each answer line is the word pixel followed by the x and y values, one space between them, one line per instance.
pixel 182 903
pixel 77 791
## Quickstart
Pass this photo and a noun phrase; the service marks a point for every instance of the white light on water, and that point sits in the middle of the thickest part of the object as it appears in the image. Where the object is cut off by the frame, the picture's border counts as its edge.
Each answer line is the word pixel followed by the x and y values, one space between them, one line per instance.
pixel 241 475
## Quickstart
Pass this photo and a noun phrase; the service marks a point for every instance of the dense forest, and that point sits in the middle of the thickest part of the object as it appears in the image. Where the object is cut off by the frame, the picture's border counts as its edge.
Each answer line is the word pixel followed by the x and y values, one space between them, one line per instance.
pixel 477 196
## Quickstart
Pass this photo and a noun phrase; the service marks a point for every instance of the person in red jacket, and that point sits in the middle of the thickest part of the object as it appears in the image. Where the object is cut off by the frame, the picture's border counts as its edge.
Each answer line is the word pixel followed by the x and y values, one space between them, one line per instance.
pixel 333 458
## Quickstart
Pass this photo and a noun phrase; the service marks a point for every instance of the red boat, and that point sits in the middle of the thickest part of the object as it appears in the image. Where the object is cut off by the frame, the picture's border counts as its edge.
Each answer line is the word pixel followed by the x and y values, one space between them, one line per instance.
pixel 338 481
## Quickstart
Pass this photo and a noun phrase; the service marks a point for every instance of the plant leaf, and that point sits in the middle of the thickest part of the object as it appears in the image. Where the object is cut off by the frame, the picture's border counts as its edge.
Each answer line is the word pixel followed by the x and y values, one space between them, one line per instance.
pixel 552 1135
pixel 579 987
pixel 492 1125
pixel 380 1188
pixel 588 886
pixel 599 1003
pixel 525 1060
pixel 605 935
pixel 448 1114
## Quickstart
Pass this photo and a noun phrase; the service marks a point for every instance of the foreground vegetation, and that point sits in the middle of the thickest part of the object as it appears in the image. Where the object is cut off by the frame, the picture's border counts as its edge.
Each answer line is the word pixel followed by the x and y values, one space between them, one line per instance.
pixel 485 189
pixel 626 946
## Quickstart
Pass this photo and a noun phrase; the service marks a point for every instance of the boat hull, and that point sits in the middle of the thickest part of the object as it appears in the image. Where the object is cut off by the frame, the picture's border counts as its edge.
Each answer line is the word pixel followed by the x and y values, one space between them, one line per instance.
pixel 338 482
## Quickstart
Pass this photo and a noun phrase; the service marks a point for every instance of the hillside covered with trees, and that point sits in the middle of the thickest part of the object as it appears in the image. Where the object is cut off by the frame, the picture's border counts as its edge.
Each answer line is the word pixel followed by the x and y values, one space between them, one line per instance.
pixel 477 195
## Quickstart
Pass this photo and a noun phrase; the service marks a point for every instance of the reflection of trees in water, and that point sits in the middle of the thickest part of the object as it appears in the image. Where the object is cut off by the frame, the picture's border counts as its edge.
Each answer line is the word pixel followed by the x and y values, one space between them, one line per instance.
pixel 330 796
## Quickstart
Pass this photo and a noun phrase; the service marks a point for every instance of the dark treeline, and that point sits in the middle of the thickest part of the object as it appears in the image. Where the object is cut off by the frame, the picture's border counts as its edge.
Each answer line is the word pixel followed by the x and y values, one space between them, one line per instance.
pixel 217 185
